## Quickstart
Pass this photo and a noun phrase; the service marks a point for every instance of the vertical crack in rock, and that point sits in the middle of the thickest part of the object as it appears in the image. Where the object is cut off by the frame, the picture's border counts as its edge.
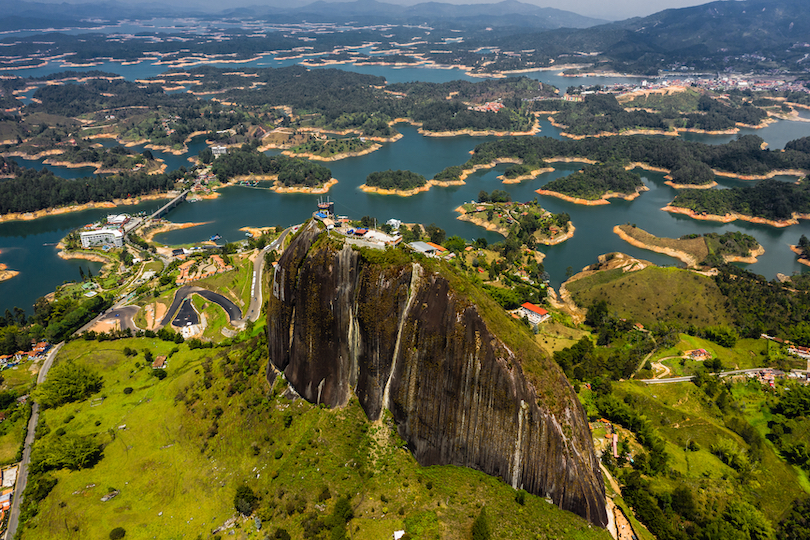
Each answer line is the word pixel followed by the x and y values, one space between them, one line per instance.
pixel 398 336
pixel 415 272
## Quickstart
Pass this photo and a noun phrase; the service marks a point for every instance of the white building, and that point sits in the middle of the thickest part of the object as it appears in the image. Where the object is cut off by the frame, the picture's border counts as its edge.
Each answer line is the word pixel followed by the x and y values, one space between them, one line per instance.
pixel 395 223
pixel 103 237
pixel 535 314
pixel 219 151
pixel 119 219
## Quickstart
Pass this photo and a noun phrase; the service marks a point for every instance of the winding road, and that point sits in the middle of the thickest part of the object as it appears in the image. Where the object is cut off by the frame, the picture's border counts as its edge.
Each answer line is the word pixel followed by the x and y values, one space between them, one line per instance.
pixel 255 306
pixel 721 374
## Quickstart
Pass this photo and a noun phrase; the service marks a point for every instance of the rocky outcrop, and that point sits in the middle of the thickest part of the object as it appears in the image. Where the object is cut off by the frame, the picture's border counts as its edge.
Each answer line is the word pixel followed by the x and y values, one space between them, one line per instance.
pixel 401 336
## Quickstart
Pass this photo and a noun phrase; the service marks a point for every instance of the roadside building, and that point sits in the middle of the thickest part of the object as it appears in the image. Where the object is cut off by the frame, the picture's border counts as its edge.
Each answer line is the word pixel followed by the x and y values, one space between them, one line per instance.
pixel 424 247
pixel 102 237
pixel 535 314
pixel 159 363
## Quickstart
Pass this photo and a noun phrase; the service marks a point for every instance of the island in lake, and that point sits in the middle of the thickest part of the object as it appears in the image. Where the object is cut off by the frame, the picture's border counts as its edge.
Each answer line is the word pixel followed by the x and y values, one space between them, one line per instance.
pixel 390 182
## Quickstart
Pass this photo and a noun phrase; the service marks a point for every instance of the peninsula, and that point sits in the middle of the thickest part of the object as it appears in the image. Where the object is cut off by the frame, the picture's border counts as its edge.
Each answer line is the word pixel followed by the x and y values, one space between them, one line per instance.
pixel 595 184
pixel 696 250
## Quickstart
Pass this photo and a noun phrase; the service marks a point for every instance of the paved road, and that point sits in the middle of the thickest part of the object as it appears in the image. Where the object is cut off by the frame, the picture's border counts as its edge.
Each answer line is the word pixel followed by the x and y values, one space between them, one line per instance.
pixel 722 374
pixel 186 316
pixel 124 315
pixel 22 472
pixel 234 313
pixel 255 307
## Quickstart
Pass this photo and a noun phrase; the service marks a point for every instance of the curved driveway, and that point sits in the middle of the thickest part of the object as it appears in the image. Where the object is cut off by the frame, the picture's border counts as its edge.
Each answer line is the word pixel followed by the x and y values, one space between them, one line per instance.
pixel 234 313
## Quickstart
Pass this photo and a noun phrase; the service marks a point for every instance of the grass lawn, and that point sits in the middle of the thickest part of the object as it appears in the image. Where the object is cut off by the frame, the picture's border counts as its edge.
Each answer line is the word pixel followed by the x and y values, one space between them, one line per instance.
pixel 178 448
pixel 654 294
pixel 554 336
pixel 234 285
pixel 746 354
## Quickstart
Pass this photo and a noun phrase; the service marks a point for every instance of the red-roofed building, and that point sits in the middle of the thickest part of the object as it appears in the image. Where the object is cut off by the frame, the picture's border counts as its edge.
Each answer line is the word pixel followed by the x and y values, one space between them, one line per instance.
pixel 535 314
pixel 436 246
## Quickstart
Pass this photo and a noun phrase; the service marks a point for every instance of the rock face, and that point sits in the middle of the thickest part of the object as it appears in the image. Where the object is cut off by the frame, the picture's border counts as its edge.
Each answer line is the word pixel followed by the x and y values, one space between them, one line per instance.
pixel 402 337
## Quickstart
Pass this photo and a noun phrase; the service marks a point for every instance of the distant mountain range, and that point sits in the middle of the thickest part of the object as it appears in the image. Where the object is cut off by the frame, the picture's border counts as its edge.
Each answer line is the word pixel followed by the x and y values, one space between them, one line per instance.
pixel 506 13
pixel 768 33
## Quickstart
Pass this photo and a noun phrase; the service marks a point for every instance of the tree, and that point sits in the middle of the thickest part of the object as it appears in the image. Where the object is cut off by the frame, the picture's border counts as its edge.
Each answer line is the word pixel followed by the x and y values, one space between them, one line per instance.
pixel 483 196
pixel 67 382
pixel 118 532
pixel 436 234
pixel 480 527
pixel 245 500
pixel 455 244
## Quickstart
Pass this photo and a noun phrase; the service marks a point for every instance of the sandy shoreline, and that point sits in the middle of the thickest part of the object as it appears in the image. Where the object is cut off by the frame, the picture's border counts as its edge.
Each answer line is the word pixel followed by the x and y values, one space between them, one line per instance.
pixel 464 216
pixel 149 235
pixel 670 183
pixel 398 192
pixel 480 222
pixel 531 175
pixel 279 188
pixel 336 157
pixel 798 251
pixel 27 216
pixel 598 202
pixel 5 273
pixel 682 256
pixel 728 218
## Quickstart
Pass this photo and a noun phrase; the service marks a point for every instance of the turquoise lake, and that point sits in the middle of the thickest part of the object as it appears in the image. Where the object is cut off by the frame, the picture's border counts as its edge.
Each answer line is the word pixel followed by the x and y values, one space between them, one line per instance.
pixel 26 246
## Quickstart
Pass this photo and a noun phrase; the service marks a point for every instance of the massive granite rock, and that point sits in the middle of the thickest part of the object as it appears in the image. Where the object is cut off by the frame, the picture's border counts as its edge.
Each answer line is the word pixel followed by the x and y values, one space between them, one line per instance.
pixel 421 344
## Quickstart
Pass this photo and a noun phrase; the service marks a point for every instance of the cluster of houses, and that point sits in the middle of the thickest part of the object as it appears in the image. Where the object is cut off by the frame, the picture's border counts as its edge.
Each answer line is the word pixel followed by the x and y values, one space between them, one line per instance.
pixel 9 479
pixel 37 352
pixel 108 234
pixel 489 106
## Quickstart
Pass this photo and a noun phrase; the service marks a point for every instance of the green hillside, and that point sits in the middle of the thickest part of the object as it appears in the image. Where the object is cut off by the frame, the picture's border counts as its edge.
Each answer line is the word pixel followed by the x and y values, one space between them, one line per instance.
pixel 177 450
pixel 654 294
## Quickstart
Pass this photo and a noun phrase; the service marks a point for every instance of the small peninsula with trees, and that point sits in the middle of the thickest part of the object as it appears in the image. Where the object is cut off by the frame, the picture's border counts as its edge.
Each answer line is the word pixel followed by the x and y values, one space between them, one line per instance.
pixel 802 249
pixel 296 173
pixel 694 250
pixel 769 201
pixel 742 158
pixel 528 221
pixel 595 184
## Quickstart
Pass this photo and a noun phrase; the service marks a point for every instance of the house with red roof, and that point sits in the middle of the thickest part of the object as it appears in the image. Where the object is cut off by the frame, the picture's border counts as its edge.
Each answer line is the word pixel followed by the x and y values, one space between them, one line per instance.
pixel 535 314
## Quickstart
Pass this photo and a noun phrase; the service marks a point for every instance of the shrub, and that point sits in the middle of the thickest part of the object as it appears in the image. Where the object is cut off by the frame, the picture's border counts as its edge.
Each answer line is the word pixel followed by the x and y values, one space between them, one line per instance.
pixel 117 533
pixel 480 527
pixel 278 454
pixel 245 500
pixel 159 373
pixel 128 390
pixel 67 382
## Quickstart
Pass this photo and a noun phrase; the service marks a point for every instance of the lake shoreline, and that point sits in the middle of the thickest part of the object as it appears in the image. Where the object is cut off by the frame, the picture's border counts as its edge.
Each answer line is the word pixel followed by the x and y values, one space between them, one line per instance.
pixel 728 218
pixel 593 202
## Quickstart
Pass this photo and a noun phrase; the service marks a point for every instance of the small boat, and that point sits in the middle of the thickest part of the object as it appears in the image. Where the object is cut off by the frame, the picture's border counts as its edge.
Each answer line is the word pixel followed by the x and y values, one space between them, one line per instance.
pixel 248 235
pixel 215 238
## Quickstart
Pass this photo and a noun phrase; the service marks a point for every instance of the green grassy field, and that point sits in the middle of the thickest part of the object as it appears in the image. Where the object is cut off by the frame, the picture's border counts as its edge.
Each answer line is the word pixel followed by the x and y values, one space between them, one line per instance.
pixel 234 285
pixel 654 294
pixel 19 379
pixel 683 413
pixel 177 449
